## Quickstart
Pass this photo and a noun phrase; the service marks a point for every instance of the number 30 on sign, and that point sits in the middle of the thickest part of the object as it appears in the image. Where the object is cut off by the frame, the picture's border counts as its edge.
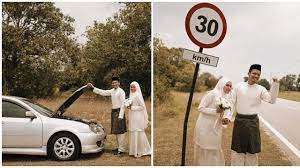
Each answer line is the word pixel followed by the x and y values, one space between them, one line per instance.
pixel 205 25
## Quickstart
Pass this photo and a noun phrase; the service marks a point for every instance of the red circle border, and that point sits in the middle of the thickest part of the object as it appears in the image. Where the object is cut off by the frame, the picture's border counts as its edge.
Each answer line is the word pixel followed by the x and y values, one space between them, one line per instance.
pixel 188 19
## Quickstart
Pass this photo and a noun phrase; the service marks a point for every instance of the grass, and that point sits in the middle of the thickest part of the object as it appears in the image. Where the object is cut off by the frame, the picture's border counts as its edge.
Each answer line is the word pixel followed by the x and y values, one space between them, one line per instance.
pixel 168 125
pixel 290 95
pixel 88 107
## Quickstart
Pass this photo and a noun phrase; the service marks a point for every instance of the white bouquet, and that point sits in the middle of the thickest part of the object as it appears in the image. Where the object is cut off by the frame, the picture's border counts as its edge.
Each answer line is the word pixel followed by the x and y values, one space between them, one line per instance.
pixel 127 102
pixel 224 104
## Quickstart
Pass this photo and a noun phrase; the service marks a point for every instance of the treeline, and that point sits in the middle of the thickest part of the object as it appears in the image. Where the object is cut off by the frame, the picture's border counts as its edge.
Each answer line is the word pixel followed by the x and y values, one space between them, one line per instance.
pixel 41 57
pixel 172 72
pixel 290 82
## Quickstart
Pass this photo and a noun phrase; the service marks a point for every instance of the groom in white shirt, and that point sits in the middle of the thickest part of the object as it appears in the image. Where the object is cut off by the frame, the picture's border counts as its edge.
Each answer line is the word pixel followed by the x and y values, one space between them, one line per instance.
pixel 118 126
pixel 247 97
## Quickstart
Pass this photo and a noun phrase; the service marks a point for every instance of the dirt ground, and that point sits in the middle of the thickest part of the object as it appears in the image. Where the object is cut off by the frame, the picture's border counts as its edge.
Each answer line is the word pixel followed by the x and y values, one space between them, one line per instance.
pixel 168 126
pixel 88 107
pixel 290 95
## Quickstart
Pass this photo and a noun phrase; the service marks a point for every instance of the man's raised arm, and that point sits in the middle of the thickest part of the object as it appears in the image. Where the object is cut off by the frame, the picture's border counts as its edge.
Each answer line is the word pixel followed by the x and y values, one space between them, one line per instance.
pixel 100 91
pixel 273 94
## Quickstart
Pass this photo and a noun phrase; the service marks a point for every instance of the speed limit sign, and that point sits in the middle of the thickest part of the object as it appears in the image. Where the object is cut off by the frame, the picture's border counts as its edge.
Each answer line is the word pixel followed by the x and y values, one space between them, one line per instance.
pixel 205 25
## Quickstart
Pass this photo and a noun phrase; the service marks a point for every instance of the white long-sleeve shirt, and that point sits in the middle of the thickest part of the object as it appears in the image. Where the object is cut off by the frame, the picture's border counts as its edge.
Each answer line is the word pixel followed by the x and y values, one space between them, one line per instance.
pixel 117 96
pixel 247 98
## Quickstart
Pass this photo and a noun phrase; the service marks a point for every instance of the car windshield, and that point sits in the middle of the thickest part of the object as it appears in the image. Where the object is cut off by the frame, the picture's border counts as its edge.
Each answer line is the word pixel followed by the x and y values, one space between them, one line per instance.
pixel 39 108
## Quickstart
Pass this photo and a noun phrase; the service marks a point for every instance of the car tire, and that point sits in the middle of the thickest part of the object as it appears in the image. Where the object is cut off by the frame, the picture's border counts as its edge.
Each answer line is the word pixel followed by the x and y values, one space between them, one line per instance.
pixel 64 146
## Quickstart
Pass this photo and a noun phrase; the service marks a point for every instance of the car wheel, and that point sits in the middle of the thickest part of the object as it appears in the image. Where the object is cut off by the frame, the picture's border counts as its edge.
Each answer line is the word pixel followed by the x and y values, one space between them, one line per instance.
pixel 64 146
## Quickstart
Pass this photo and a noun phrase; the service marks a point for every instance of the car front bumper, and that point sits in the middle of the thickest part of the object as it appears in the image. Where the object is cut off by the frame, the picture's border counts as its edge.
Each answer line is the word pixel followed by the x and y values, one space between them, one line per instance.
pixel 91 142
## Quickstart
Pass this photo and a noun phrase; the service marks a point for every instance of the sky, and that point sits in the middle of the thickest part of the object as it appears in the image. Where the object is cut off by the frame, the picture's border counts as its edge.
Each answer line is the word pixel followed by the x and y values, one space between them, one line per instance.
pixel 267 33
pixel 85 13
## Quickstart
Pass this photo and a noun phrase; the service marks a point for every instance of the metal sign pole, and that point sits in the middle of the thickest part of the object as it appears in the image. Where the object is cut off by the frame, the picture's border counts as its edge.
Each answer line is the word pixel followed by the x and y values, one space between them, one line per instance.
pixel 187 113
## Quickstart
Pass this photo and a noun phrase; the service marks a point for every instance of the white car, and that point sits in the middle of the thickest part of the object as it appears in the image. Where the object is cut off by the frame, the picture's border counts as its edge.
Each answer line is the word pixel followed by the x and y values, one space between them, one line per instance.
pixel 30 128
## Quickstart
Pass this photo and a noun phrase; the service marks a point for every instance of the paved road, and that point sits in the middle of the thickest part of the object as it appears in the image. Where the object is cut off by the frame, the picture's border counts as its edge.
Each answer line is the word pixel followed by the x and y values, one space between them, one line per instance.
pixel 284 116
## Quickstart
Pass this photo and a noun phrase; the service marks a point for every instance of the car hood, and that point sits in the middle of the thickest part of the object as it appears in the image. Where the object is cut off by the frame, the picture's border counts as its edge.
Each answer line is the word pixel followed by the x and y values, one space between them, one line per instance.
pixel 85 121
pixel 63 108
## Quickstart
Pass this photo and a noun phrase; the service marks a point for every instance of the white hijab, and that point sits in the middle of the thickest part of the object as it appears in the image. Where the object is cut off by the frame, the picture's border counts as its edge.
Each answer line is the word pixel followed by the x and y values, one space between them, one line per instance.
pixel 219 88
pixel 139 95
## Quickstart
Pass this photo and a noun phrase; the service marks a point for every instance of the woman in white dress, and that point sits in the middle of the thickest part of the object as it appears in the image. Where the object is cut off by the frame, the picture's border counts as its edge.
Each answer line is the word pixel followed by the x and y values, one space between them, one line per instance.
pixel 208 130
pixel 137 122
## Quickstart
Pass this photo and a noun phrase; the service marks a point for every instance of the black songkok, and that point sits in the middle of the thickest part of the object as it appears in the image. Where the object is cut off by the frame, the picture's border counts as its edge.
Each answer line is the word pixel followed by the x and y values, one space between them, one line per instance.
pixel 255 66
pixel 114 78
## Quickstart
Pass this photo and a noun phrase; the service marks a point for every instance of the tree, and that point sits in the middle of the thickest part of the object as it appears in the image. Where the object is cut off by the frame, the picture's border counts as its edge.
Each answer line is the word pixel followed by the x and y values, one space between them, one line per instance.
pixel 171 71
pixel 288 83
pixel 121 47
pixel 162 72
pixel 36 42
pixel 264 83
pixel 185 77
pixel 298 83
pixel 207 81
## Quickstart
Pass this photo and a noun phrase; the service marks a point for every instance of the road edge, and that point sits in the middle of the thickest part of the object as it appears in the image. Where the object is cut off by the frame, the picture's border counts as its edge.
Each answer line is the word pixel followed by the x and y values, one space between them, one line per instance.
pixel 286 147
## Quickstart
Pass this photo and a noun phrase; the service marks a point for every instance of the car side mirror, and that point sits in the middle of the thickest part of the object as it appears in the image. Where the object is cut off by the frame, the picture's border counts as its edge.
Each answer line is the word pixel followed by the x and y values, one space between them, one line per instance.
pixel 30 115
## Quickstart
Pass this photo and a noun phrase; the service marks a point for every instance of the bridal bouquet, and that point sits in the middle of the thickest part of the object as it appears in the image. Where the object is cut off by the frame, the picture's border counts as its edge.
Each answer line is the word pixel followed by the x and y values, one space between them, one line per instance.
pixel 127 102
pixel 224 104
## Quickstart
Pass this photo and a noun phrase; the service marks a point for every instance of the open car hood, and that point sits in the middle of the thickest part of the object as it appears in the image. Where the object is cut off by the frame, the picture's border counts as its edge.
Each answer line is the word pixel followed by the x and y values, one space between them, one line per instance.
pixel 71 100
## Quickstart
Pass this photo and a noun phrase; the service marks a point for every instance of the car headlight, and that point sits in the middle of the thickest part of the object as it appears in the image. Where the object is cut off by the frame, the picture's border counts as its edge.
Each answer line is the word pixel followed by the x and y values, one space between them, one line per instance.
pixel 96 128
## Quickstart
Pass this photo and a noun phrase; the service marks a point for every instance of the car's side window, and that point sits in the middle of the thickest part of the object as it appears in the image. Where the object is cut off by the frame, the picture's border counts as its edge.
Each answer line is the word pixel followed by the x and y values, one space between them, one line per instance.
pixel 13 110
